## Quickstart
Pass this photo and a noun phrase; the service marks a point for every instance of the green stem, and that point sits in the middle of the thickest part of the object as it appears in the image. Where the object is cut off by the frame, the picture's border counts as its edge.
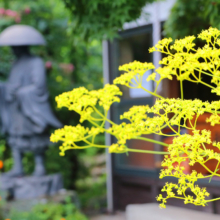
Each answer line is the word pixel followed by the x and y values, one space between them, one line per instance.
pixel 168 124
pixel 77 147
pixel 214 171
pixel 207 73
pixel 207 84
pixel 181 86
pixel 147 151
pixel 155 90
pixel 132 83
pixel 178 197
pixel 95 145
pixel 151 140
pixel 154 94
pixel 199 81
pixel 104 117
pixel 211 200
pixel 96 119
pixel 158 82
pixel 135 79
pixel 208 168
pixel 92 122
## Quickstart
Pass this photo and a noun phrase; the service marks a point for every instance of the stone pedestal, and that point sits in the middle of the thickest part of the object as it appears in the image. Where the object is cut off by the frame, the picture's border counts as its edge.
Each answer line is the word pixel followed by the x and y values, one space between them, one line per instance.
pixel 31 187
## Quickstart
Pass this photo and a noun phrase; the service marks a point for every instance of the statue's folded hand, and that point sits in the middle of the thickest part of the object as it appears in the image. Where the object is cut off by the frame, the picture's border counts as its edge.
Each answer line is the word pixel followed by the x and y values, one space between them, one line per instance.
pixel 11 91
pixel 25 90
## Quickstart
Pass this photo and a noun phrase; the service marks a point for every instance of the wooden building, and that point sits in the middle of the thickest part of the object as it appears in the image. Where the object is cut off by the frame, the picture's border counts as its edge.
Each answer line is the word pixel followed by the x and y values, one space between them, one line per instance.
pixel 135 178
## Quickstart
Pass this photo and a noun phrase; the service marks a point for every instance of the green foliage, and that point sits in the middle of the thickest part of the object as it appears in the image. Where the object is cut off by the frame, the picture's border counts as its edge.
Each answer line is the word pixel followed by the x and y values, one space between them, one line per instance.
pixel 70 63
pixel 191 17
pixel 92 192
pixel 101 19
pixel 5 156
pixel 49 211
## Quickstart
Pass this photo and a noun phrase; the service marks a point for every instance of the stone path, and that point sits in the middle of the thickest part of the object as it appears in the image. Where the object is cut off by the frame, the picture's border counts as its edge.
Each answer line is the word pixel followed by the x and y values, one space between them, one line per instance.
pixel 118 216
pixel 151 211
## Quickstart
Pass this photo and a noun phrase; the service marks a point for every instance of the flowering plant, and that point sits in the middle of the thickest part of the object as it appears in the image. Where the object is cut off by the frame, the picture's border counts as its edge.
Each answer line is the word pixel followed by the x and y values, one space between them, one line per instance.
pixel 7 13
pixel 186 63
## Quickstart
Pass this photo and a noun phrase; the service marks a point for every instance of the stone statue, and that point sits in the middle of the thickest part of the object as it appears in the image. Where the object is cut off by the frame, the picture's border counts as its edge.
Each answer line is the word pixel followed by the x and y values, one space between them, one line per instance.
pixel 25 114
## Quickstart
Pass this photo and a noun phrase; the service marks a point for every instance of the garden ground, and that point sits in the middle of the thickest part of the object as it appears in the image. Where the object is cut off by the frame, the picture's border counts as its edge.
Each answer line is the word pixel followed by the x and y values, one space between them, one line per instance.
pixel 117 216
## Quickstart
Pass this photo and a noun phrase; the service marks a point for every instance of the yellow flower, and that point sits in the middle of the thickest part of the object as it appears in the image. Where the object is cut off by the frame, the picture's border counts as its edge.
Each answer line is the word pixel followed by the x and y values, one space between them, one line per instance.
pixel 183 61
pixel 134 70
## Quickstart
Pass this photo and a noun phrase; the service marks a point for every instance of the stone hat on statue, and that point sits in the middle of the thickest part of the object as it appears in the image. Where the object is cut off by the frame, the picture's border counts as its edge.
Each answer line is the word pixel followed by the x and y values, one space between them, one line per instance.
pixel 20 35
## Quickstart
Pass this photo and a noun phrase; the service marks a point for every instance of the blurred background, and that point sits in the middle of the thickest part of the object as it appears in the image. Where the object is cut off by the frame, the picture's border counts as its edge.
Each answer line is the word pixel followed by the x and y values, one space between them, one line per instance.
pixel 70 63
pixel 86 42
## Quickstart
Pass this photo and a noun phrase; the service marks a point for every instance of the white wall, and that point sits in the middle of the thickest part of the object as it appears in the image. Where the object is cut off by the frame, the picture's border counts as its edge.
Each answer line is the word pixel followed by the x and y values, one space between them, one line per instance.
pixel 158 12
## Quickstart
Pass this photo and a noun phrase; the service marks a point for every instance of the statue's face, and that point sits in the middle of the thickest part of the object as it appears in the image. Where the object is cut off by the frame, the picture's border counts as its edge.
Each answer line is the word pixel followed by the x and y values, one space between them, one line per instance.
pixel 20 50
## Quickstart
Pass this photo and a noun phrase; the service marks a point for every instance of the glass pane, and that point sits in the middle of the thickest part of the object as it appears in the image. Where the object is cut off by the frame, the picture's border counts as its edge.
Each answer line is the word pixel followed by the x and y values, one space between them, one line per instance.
pixel 130 48
pixel 138 93
pixel 137 160
pixel 136 48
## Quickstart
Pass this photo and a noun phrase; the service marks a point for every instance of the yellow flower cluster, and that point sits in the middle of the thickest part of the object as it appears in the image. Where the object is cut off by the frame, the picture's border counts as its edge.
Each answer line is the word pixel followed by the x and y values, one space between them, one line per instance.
pixel 82 101
pixel 135 71
pixel 115 148
pixel 185 62
pixel 183 109
pixel 210 36
pixel 192 147
pixel 141 123
pixel 165 72
pixel 186 43
pixel 213 119
pixel 136 67
pixel 179 191
pixel 71 135
pixel 123 132
pixel 161 45
pixel 108 95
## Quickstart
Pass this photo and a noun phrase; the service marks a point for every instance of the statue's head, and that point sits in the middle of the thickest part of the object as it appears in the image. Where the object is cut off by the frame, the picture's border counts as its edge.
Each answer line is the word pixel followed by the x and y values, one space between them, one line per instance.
pixel 20 51
pixel 20 37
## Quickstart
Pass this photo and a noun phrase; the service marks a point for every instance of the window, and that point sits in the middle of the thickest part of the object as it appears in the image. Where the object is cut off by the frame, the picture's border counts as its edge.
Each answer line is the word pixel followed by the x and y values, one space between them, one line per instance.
pixel 132 45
